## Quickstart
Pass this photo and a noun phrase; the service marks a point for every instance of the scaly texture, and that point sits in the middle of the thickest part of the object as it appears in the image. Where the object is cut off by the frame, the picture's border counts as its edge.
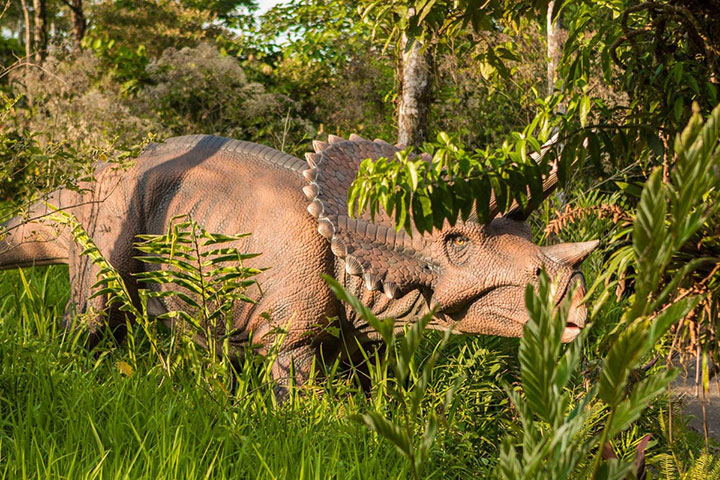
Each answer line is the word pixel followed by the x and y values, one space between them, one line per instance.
pixel 388 261
pixel 473 275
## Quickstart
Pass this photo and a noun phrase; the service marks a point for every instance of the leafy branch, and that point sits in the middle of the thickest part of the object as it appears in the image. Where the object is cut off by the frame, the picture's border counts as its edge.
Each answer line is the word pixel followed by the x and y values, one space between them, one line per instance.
pixel 447 182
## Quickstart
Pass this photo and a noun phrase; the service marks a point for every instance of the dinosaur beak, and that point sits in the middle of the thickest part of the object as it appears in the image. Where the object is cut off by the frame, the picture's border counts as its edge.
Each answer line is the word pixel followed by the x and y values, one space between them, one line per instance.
pixel 577 314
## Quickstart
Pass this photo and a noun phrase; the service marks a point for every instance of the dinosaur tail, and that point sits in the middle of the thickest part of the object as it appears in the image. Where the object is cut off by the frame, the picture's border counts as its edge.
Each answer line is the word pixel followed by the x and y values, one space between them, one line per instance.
pixel 33 240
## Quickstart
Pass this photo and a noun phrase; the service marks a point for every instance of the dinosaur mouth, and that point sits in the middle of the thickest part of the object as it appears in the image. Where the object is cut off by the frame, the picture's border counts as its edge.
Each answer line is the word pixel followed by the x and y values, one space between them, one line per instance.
pixel 570 332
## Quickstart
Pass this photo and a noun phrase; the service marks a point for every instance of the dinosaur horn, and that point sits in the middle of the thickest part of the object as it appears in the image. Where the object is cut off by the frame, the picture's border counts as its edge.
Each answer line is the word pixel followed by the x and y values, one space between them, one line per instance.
pixel 493 209
pixel 570 253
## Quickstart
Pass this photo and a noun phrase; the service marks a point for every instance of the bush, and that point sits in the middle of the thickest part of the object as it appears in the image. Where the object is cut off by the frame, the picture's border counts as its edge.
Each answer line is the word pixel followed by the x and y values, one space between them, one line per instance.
pixel 198 90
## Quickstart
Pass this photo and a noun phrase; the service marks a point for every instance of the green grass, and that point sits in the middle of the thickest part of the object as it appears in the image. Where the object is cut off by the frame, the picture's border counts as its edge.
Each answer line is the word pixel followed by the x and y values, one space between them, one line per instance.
pixel 66 412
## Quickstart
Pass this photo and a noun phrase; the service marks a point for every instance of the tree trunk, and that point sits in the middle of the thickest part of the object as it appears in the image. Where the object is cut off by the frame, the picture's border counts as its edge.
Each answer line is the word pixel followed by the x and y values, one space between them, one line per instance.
pixel 414 94
pixel 41 34
pixel 28 44
pixel 78 21
pixel 554 50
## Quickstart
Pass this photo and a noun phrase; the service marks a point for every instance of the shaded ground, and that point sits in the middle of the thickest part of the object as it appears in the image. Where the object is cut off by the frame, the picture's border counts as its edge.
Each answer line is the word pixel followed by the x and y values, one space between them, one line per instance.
pixel 684 390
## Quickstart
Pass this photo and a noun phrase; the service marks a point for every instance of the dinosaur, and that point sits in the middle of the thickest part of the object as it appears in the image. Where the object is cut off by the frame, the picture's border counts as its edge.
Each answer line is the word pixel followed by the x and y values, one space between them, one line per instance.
pixel 472 274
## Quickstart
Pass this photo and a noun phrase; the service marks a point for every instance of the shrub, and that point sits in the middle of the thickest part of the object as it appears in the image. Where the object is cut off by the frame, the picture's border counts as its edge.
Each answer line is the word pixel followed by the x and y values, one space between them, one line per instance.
pixel 198 90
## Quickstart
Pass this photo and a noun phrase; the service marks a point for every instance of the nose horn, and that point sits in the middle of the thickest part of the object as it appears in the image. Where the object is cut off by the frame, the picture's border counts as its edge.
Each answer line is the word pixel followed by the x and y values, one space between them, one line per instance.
pixel 570 253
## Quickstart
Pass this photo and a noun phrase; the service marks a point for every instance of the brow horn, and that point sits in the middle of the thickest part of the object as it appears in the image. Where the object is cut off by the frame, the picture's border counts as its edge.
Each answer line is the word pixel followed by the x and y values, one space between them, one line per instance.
pixel 570 253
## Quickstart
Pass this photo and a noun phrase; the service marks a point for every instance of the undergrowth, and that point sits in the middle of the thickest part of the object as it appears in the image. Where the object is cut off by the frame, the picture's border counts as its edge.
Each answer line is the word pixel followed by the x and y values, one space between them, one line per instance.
pixel 68 413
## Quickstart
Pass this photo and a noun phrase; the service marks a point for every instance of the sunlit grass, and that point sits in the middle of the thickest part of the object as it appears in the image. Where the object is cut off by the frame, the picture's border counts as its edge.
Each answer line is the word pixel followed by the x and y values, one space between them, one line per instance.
pixel 66 412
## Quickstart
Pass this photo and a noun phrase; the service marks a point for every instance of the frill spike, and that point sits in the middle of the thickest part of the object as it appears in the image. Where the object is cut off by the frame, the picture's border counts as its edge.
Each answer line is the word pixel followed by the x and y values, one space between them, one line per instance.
pixel 389 262
pixel 352 266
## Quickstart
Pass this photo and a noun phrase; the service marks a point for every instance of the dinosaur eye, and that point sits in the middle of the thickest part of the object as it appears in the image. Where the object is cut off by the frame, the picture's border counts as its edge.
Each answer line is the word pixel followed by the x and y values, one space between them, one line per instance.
pixel 458 241
pixel 457 249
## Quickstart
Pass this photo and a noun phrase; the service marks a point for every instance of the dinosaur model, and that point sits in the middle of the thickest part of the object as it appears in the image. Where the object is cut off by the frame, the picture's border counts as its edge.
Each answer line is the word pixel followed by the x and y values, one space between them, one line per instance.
pixel 473 274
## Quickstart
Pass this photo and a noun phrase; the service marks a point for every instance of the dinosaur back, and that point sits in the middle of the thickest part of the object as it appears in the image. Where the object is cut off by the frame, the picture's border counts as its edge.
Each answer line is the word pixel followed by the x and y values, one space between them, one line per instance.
pixel 207 145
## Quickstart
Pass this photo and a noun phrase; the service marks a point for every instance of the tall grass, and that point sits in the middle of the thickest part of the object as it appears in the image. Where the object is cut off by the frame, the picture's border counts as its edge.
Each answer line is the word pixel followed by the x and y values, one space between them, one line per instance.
pixel 66 412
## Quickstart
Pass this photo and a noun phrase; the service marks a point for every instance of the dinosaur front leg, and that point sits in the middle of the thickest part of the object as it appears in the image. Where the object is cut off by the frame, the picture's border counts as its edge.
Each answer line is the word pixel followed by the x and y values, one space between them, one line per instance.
pixel 87 310
pixel 292 366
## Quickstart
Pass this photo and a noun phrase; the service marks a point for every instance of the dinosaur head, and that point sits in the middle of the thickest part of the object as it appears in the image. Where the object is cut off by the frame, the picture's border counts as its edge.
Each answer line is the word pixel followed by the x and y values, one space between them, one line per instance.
pixel 482 272
pixel 474 274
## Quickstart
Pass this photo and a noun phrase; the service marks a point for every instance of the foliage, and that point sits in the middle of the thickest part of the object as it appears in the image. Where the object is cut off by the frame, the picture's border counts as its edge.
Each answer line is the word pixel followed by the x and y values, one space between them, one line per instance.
pixel 77 111
pixel 663 55
pixel 199 90
pixel 194 266
pixel 73 101
pixel 703 468
pixel 423 19
pixel 667 217
pixel 457 182
pixel 413 432
pixel 126 65
pixel 206 273
pixel 156 25
pixel 320 54
pixel 24 157
pixel 628 73
pixel 685 262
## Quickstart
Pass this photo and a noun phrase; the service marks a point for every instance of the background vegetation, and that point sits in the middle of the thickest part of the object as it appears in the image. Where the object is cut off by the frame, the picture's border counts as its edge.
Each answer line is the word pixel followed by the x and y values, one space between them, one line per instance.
pixel 617 81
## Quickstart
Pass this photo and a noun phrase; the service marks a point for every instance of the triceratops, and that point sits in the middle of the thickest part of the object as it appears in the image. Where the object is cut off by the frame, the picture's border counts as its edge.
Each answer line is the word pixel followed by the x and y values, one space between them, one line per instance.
pixel 472 274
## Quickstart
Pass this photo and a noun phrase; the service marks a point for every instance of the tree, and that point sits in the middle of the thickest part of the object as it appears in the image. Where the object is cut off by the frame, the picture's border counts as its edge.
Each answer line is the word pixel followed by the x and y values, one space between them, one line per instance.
pixel 27 30
pixel 41 32
pixel 414 92
pixel 554 50
pixel 79 23
pixel 416 28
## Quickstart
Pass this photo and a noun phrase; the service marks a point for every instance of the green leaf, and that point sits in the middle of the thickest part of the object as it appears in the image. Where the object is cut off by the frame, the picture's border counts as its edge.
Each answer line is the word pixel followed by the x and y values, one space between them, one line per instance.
pixel 391 432
pixel 584 110
pixel 643 393
pixel 622 357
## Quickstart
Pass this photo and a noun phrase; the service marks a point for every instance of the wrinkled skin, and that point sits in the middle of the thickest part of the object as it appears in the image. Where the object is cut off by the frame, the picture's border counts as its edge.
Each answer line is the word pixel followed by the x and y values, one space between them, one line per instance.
pixel 469 296
pixel 473 275
pixel 490 299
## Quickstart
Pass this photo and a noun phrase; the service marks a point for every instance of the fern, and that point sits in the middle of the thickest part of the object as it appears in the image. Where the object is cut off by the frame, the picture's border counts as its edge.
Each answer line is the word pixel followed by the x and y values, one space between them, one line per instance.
pixel 202 270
